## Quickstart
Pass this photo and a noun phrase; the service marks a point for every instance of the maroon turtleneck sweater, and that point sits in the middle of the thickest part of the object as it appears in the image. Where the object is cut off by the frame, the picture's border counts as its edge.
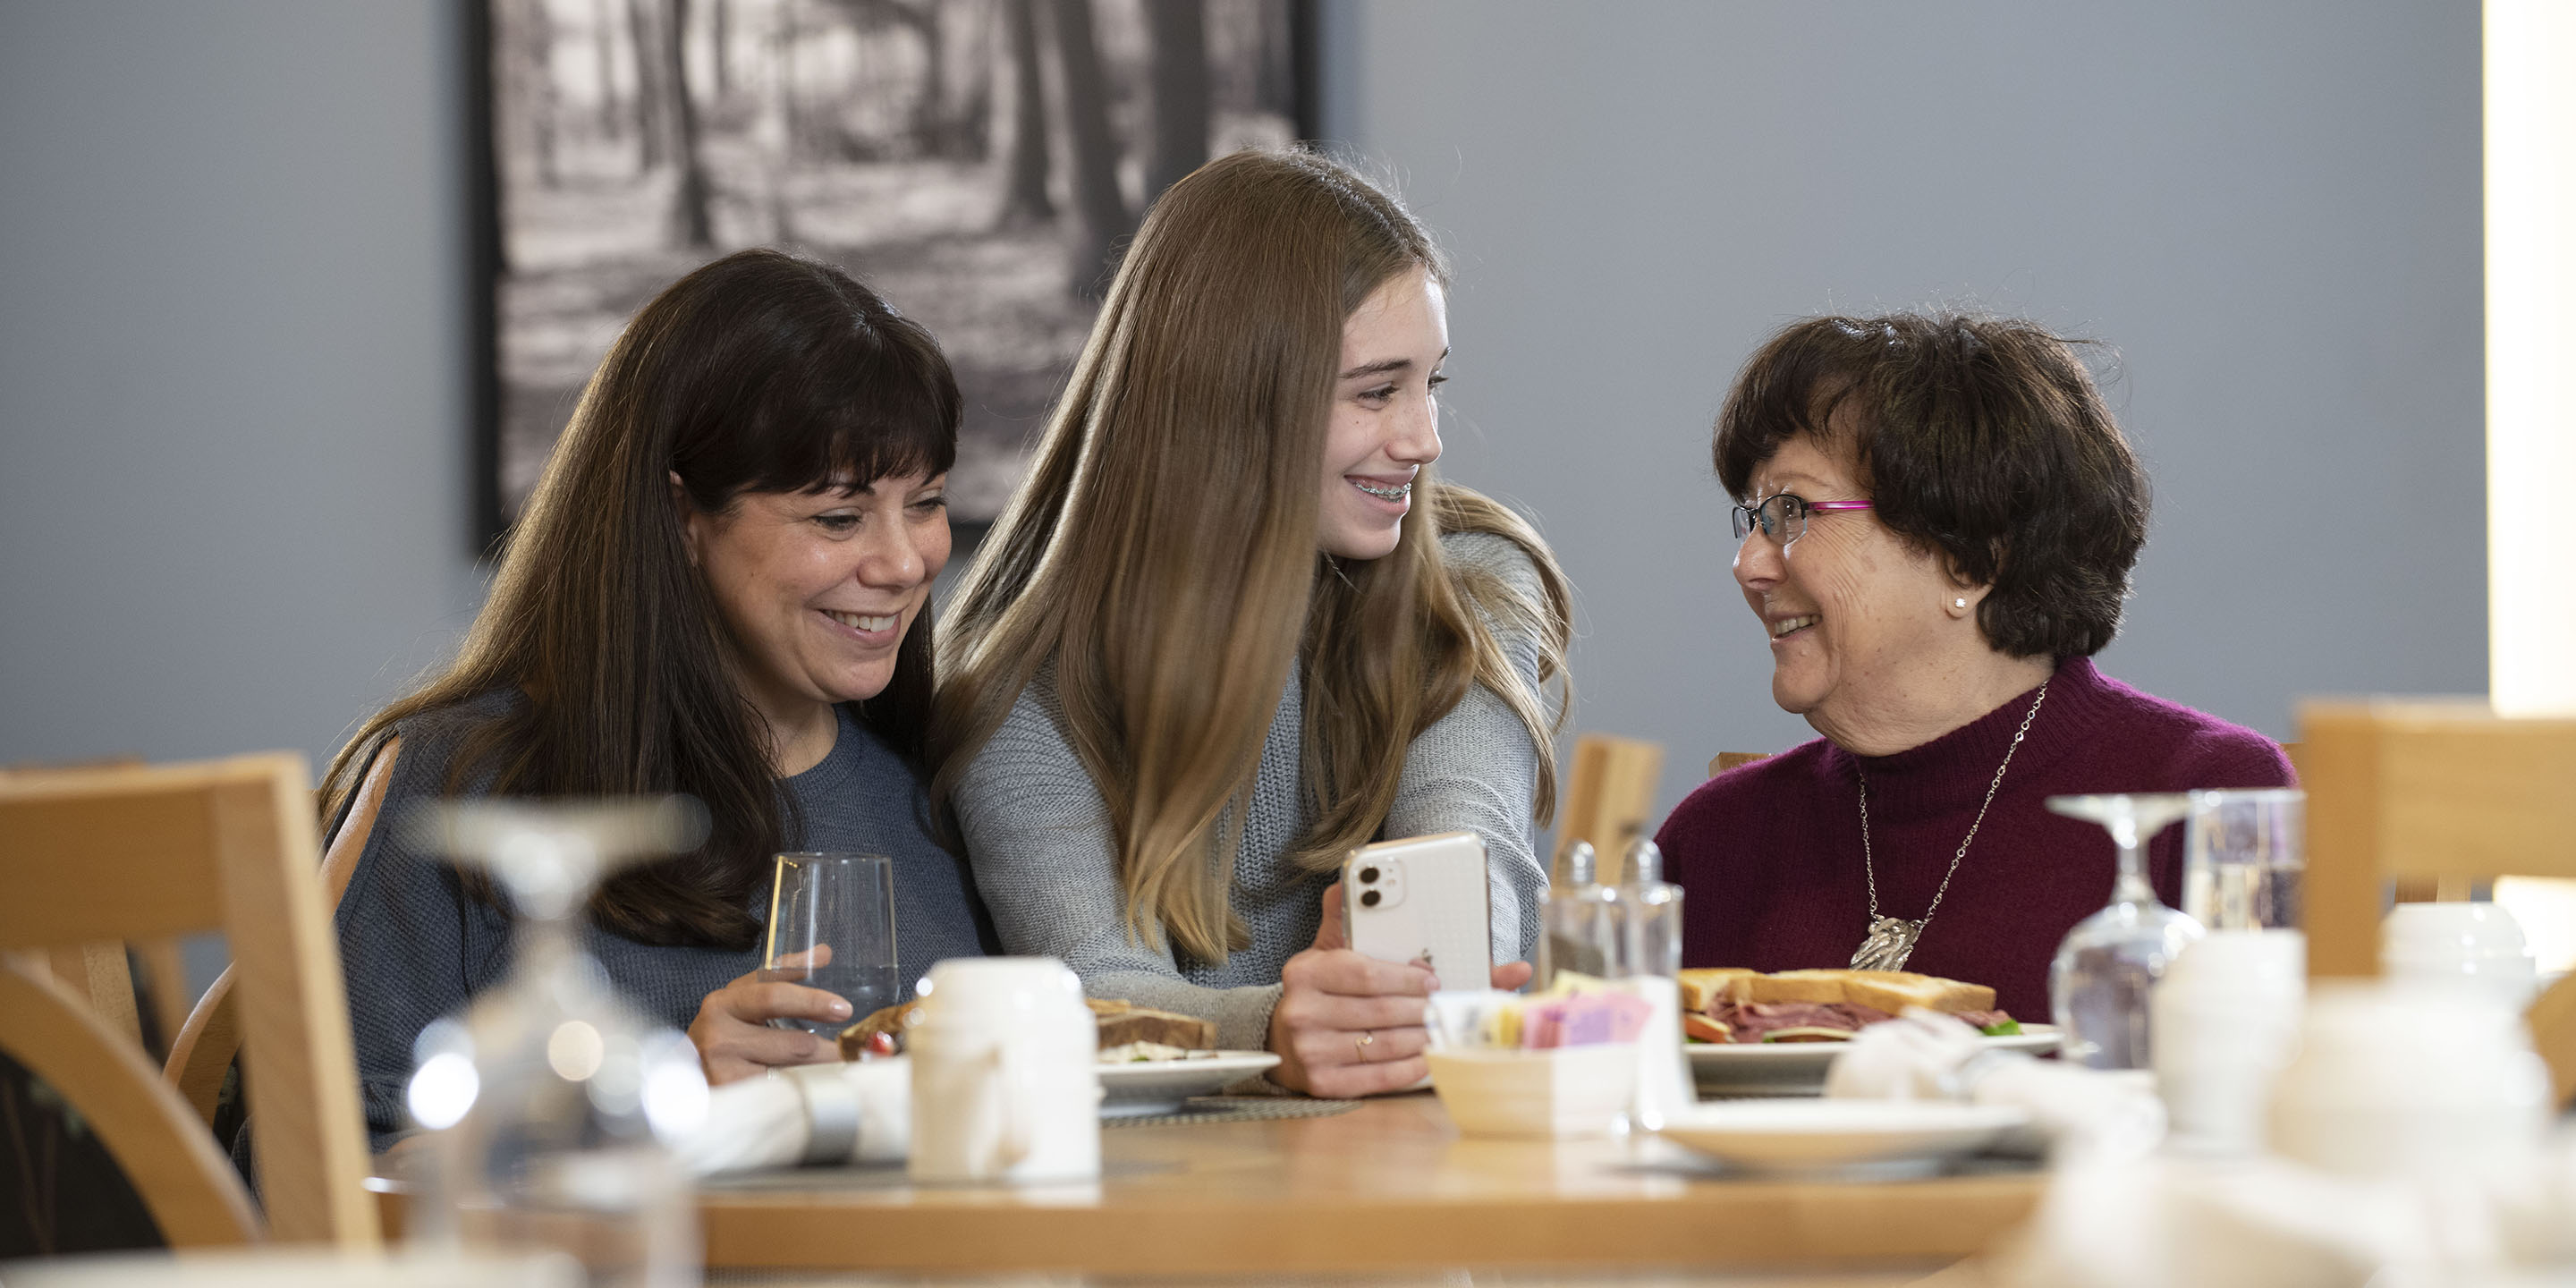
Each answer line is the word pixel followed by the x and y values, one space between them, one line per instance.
pixel 1770 852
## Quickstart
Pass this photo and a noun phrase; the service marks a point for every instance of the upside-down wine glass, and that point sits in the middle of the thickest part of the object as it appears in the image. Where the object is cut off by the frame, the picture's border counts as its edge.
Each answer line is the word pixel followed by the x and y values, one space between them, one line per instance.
pixel 2109 964
pixel 552 1101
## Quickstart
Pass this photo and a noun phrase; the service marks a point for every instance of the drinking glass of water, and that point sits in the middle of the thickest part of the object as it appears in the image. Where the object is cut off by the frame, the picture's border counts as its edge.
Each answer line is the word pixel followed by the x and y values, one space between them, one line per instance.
pixel 831 926
pixel 2243 857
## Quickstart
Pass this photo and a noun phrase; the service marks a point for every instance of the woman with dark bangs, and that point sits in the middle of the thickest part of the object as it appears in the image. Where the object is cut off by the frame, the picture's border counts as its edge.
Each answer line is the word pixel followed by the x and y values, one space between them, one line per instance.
pixel 721 587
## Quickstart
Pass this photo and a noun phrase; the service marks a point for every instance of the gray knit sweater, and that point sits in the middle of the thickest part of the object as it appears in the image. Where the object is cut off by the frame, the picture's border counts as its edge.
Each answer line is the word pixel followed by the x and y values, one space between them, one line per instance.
pixel 1047 865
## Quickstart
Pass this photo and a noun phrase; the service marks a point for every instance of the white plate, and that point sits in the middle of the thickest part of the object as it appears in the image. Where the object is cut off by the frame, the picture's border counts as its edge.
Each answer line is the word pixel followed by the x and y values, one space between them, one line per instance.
pixel 1159 1086
pixel 1798 1068
pixel 1876 1137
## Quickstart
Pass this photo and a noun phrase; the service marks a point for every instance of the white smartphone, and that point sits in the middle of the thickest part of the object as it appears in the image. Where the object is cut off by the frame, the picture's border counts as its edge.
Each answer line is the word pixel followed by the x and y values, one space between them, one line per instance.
pixel 1423 899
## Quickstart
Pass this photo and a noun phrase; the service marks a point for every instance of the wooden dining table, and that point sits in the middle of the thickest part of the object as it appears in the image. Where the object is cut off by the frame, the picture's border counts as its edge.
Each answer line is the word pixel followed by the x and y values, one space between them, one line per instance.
pixel 1387 1185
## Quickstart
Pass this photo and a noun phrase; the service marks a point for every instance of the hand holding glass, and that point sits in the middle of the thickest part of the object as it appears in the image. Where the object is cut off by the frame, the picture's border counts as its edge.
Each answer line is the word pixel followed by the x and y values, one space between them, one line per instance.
pixel 831 927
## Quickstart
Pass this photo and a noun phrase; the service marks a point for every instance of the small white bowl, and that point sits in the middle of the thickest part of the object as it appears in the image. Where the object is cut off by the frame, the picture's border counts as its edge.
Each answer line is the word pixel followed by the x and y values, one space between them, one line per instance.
pixel 1564 1092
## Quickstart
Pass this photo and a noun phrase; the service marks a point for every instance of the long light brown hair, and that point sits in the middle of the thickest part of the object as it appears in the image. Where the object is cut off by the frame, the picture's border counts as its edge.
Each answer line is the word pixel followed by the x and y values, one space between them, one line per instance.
pixel 1162 555
pixel 758 372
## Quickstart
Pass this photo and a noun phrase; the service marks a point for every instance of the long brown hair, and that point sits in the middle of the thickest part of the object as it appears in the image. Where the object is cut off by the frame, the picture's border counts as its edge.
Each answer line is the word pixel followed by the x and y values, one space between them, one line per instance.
pixel 758 372
pixel 1162 555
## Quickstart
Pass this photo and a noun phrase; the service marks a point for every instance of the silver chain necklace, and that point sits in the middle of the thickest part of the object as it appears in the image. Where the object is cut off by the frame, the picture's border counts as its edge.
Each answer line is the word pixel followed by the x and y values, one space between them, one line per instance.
pixel 1891 939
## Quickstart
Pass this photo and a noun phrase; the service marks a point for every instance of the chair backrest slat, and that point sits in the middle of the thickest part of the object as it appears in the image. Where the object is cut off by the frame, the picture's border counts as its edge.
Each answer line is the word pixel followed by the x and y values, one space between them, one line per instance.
pixel 1607 800
pixel 98 972
pixel 78 855
pixel 302 1066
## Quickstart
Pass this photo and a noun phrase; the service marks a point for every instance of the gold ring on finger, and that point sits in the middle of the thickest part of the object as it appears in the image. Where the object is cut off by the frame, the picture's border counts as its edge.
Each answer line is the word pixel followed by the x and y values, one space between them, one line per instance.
pixel 1362 1043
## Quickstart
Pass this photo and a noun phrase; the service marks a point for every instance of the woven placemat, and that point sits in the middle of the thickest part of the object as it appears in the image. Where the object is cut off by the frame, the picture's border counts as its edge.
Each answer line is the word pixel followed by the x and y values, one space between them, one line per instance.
pixel 1237 1109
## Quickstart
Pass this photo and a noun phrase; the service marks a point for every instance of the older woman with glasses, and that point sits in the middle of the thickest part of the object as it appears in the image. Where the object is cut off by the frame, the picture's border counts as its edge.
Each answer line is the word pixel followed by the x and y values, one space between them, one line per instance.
pixel 1939 517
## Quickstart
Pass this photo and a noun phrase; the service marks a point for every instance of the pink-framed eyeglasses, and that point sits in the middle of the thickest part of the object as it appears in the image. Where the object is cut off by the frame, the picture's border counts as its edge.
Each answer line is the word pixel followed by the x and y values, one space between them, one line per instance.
pixel 1783 517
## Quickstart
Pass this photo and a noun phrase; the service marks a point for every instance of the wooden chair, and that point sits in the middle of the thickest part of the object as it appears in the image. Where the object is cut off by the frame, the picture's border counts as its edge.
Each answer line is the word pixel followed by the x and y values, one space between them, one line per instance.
pixel 2440 790
pixel 1611 793
pixel 110 855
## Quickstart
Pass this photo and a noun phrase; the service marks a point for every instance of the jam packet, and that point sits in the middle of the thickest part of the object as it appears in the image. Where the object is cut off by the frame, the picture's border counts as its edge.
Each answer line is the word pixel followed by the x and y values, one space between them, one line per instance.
pixel 1605 1012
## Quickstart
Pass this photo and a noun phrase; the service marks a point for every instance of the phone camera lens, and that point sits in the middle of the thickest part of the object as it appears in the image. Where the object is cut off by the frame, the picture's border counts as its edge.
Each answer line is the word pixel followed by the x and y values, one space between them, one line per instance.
pixel 1368 876
pixel 1369 898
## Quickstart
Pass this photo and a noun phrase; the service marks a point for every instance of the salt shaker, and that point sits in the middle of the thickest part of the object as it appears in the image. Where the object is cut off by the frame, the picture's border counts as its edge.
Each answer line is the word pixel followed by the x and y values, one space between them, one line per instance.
pixel 1649 914
pixel 1579 924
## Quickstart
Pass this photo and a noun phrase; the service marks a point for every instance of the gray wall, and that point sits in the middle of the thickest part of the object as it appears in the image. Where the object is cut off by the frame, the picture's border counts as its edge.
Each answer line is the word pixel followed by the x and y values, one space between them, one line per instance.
pixel 2271 210
pixel 232 370
pixel 233 366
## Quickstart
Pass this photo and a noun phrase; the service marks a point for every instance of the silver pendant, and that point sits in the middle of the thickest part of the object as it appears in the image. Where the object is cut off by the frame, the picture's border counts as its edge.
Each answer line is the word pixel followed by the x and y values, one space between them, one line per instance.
pixel 1890 942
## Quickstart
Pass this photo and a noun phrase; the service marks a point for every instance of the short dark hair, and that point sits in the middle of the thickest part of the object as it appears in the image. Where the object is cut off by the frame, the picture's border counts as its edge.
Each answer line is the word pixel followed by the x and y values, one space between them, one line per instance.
pixel 1982 440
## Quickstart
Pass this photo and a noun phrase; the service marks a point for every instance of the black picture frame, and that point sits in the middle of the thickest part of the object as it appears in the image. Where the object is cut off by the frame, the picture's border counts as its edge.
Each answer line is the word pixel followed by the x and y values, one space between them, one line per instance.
pixel 563 94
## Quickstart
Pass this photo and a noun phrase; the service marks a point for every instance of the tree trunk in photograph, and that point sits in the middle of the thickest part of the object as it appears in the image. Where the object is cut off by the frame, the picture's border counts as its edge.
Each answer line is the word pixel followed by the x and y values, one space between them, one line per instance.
pixel 971 125
pixel 542 101
pixel 531 78
pixel 720 45
pixel 1276 84
pixel 690 224
pixel 1024 182
pixel 1099 212
pixel 604 66
pixel 791 113
pixel 649 94
pixel 782 89
pixel 1179 143
pixel 931 129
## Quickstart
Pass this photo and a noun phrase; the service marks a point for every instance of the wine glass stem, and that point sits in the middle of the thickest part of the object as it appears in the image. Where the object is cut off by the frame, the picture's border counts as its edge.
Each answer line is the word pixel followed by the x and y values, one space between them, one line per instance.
pixel 543 942
pixel 2133 886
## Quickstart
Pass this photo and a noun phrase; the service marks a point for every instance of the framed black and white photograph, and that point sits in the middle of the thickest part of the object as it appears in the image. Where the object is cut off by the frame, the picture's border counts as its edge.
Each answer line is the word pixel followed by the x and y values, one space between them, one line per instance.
pixel 978 162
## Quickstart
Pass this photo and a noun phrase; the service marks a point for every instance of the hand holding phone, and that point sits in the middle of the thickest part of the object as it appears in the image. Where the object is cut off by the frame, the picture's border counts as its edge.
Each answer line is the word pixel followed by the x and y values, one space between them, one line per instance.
pixel 1349 1019
pixel 1422 900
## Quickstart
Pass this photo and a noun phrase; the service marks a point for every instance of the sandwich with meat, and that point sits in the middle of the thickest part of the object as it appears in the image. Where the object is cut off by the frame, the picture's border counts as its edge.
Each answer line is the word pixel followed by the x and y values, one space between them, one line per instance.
pixel 1733 1005
pixel 1128 1033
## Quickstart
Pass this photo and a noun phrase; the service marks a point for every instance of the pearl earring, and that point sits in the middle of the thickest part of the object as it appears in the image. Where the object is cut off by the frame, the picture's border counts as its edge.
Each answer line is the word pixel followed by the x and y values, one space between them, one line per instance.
pixel 1958 603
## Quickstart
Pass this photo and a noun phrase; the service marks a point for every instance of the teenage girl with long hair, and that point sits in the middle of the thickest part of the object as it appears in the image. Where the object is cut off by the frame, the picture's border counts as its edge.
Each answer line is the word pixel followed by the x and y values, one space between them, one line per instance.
pixel 1233 626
